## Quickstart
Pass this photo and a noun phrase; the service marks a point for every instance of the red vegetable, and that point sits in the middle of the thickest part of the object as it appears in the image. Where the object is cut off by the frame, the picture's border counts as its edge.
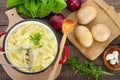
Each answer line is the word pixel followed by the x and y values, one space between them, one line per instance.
pixel 56 20
pixel 1 49
pixel 2 33
pixel 73 4
pixel 65 57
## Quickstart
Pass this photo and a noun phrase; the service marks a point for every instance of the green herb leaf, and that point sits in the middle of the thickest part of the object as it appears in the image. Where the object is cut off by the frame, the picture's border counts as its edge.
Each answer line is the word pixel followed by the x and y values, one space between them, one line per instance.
pixel 35 38
pixel 45 9
pixel 58 6
pixel 14 3
pixel 37 8
pixel 43 1
pixel 87 68
pixel 23 10
pixel 32 6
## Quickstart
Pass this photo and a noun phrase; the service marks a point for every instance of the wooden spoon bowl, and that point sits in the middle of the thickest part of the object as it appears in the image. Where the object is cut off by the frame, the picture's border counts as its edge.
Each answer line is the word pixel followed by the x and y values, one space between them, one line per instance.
pixel 107 63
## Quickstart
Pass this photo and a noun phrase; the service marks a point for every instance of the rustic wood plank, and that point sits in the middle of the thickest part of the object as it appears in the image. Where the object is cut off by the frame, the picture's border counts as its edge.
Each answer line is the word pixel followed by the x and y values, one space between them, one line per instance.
pixel 117 10
pixel 3 18
pixel 116 41
pixel 2 28
pixel 3 75
pixel 66 73
pixel 113 2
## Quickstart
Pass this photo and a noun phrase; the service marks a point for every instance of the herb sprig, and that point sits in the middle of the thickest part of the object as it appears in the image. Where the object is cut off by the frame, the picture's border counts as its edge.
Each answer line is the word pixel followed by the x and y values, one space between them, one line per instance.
pixel 35 38
pixel 86 68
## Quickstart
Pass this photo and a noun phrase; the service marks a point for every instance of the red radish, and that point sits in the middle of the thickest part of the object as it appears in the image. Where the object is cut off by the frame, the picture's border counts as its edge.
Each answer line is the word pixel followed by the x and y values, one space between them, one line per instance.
pixel 56 20
pixel 73 4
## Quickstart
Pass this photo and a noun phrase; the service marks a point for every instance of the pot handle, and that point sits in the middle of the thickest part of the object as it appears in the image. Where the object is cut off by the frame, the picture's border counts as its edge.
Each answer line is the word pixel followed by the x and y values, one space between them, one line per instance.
pixel 1 34
pixel 65 56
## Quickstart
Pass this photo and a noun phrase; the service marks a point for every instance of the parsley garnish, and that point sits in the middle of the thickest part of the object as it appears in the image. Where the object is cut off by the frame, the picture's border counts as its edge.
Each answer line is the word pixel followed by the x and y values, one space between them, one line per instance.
pixel 35 38
pixel 86 68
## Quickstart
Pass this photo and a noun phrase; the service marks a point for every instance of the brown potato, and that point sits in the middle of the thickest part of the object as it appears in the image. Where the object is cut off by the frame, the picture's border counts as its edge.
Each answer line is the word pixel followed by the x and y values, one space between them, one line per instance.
pixel 100 32
pixel 86 14
pixel 83 36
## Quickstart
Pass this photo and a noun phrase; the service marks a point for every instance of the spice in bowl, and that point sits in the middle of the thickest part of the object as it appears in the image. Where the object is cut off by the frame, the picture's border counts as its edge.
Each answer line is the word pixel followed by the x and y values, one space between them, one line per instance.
pixel 111 58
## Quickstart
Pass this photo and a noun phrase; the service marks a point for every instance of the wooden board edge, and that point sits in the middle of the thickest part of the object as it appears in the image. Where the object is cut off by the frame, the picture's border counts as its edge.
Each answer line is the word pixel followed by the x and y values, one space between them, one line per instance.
pixel 110 10
pixel 100 3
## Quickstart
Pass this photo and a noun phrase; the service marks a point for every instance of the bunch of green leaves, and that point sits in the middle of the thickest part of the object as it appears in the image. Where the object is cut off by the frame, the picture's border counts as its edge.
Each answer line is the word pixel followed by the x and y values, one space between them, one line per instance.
pixel 37 8
pixel 86 68
pixel 35 38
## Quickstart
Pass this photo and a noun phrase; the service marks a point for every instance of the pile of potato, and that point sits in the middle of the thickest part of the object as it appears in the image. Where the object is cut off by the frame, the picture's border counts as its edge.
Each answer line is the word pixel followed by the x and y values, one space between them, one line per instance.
pixel 98 32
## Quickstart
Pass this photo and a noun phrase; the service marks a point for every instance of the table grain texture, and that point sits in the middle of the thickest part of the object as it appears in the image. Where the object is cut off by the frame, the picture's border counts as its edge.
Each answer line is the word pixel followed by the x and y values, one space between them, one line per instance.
pixel 66 73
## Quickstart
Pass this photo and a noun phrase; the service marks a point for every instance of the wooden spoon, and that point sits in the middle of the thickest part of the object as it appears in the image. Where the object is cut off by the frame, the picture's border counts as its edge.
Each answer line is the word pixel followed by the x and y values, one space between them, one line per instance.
pixel 67 27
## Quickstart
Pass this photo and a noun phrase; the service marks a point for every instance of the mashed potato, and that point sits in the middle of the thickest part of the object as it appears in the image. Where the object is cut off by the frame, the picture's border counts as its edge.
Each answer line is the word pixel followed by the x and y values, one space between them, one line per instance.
pixel 44 51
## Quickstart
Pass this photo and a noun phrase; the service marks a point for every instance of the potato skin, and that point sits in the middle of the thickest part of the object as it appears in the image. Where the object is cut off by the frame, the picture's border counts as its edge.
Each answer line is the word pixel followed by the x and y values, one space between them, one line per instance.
pixel 100 32
pixel 86 14
pixel 83 36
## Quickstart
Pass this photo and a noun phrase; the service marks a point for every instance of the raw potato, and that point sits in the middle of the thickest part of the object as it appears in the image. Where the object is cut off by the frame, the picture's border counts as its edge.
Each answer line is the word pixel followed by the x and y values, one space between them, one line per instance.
pixel 86 14
pixel 100 32
pixel 84 36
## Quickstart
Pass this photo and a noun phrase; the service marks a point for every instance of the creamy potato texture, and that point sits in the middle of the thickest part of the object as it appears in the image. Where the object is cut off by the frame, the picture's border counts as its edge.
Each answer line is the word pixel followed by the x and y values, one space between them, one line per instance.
pixel 44 51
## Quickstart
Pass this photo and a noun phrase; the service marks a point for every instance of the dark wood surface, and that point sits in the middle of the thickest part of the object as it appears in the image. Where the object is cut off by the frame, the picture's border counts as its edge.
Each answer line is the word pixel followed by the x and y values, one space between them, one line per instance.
pixel 66 73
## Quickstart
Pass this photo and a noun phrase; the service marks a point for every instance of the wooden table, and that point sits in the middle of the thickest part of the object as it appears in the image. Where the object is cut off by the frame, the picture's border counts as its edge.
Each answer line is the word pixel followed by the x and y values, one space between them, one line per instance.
pixel 66 73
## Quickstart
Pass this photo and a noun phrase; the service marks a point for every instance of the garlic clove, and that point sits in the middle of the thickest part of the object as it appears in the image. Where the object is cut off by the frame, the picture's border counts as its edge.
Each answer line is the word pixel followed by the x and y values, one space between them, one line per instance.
pixel 113 61
pixel 110 57
pixel 115 53
pixel 117 61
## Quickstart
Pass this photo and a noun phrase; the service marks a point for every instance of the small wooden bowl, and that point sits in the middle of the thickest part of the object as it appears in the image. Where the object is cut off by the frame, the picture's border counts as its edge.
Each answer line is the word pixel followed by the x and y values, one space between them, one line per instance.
pixel 107 63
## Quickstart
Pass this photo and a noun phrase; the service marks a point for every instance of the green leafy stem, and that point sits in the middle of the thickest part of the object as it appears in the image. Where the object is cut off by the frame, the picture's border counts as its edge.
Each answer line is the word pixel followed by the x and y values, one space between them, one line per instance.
pixel 37 8
pixel 86 68
pixel 35 38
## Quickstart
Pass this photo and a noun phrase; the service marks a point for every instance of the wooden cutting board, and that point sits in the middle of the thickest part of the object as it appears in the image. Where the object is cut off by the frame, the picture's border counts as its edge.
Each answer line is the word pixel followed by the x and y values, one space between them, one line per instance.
pixel 105 15
pixel 13 18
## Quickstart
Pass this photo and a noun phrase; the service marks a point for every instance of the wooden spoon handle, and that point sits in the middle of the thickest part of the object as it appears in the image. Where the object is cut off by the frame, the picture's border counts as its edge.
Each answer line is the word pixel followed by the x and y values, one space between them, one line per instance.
pixel 52 74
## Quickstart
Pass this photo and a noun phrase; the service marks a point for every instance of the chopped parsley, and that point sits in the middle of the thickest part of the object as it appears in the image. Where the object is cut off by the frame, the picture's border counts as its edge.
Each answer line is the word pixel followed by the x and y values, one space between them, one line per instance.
pixel 35 38
pixel 86 68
